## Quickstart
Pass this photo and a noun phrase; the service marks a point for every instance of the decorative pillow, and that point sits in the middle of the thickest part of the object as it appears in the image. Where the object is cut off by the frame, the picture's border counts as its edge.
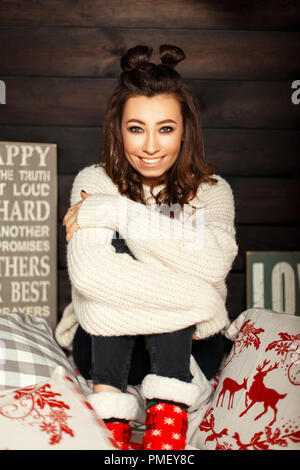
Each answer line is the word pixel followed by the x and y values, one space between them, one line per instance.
pixel 53 415
pixel 28 351
pixel 256 404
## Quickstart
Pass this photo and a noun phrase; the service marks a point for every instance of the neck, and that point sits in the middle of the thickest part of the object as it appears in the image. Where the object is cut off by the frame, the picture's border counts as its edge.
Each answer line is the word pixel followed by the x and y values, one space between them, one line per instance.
pixel 150 181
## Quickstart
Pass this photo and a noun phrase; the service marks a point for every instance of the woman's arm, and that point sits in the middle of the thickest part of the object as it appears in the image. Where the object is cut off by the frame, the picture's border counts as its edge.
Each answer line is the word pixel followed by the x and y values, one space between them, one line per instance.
pixel 106 283
pixel 104 276
pixel 204 246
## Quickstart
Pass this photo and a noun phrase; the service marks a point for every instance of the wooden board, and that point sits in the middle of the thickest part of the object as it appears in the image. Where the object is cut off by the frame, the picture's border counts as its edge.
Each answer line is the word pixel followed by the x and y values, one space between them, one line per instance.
pixel 216 14
pixel 95 52
pixel 83 101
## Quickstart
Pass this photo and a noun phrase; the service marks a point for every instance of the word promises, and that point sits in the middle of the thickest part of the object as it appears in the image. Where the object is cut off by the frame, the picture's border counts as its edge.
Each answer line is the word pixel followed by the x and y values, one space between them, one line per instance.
pixel 26 245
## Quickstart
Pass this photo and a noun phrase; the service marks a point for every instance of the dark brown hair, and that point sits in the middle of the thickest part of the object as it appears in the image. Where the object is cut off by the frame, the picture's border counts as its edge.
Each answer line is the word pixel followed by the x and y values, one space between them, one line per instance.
pixel 140 77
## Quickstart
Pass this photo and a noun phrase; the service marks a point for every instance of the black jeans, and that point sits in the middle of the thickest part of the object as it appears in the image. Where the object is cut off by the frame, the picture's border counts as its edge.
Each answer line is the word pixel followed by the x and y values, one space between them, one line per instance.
pixel 208 354
pixel 169 357
pixel 122 360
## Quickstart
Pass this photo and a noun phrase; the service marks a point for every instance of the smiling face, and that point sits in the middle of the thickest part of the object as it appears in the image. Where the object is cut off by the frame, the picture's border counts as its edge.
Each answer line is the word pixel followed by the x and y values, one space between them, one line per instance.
pixel 152 130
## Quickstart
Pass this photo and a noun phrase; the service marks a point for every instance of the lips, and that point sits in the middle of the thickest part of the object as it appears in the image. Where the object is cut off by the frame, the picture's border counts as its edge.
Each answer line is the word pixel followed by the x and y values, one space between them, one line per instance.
pixel 152 162
pixel 154 158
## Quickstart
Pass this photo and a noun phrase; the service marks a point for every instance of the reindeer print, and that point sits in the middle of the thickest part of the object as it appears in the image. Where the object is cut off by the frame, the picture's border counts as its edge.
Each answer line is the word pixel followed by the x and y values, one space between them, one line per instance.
pixel 259 393
pixel 232 386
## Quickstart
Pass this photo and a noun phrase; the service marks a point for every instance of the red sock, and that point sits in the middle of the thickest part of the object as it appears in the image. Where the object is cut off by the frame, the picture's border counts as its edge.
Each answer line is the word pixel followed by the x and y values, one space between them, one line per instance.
pixel 166 426
pixel 121 432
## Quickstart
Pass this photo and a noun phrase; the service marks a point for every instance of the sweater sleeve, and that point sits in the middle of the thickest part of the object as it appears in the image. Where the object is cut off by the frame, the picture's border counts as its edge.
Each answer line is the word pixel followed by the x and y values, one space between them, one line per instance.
pixel 116 279
pixel 104 276
pixel 203 244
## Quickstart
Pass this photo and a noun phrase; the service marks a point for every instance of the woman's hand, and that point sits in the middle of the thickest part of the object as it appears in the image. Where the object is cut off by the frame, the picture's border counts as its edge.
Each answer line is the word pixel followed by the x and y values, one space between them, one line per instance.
pixel 195 337
pixel 70 218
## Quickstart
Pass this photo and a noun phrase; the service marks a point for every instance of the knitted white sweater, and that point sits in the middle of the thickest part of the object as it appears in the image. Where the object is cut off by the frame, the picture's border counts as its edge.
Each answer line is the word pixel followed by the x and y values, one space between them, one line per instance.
pixel 178 276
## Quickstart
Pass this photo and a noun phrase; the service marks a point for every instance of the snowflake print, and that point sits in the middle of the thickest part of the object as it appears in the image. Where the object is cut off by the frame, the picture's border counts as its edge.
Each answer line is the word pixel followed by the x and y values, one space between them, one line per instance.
pixel 160 406
pixel 48 427
pixel 169 421
pixel 177 409
pixel 156 432
pixel 288 347
pixel 176 436
pixel 38 405
pixel 282 348
pixel 58 415
pixel 166 447
pixel 247 342
pixel 248 337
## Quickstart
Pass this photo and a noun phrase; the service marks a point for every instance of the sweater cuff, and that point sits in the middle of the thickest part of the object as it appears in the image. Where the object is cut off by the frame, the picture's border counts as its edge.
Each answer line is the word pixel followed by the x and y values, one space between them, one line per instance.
pixel 205 329
pixel 98 210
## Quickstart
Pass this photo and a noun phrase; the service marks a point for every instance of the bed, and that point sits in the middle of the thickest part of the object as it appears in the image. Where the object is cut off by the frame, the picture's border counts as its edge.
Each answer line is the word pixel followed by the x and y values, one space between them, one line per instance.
pixel 251 404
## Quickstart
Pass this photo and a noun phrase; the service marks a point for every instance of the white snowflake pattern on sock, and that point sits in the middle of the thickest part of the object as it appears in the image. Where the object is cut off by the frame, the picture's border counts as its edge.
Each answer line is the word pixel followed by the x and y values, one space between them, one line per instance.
pixel 160 406
pixel 177 409
pixel 166 447
pixel 168 420
pixel 156 432
pixel 176 436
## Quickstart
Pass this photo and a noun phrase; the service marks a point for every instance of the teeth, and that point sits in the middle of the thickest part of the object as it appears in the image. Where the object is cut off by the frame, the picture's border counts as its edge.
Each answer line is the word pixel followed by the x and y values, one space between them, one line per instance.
pixel 153 160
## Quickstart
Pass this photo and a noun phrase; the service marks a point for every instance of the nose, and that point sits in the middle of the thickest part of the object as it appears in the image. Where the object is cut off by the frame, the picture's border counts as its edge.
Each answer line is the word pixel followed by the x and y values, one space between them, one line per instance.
pixel 151 144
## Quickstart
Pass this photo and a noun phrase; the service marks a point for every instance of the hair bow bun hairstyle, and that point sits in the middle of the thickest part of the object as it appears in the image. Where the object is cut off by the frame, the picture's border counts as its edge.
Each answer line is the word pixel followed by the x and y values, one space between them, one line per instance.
pixel 141 77
pixel 171 55
pixel 136 57
pixel 139 57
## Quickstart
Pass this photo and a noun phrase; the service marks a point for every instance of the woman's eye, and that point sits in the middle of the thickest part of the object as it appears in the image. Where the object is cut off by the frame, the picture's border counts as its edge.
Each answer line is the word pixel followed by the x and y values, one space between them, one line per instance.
pixel 167 130
pixel 167 127
pixel 134 127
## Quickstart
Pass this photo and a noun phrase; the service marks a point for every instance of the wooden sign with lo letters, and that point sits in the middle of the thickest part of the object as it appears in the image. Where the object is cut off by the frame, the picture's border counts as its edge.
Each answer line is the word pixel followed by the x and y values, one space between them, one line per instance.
pixel 273 280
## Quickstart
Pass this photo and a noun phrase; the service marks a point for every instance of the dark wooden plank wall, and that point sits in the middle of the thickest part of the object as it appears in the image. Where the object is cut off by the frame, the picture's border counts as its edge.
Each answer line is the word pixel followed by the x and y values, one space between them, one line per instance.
pixel 60 61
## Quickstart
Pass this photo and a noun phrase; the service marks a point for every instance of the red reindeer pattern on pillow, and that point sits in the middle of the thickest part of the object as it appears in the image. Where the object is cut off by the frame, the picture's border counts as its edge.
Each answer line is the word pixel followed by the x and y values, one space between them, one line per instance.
pixel 256 404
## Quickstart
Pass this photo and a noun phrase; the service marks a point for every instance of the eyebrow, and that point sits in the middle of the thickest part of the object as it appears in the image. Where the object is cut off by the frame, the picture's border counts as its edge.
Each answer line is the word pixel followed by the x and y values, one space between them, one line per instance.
pixel 160 122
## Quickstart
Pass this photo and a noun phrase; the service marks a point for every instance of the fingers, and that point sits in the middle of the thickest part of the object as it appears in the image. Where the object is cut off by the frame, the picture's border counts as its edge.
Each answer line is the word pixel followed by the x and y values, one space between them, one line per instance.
pixel 70 221
pixel 70 218
pixel 84 194
pixel 71 228
pixel 196 338
pixel 71 212
pixel 68 215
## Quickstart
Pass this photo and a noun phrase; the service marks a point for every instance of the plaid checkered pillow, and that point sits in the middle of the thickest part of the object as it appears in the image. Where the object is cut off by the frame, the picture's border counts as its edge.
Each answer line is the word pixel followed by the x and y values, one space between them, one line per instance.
pixel 28 352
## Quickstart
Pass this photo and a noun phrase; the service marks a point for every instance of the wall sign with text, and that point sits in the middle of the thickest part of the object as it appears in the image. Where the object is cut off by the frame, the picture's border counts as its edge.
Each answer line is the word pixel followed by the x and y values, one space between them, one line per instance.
pixel 273 280
pixel 28 229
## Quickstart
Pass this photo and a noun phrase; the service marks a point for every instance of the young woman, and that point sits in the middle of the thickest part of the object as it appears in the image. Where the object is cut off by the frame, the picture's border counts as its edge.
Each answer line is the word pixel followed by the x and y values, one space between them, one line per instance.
pixel 139 306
